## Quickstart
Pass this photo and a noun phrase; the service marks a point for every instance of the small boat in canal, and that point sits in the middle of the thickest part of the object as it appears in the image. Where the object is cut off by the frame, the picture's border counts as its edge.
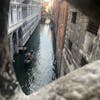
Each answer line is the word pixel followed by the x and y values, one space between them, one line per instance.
pixel 28 57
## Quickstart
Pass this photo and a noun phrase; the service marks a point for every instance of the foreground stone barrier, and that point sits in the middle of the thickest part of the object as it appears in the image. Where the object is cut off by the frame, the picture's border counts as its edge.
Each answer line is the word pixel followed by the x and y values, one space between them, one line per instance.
pixel 82 84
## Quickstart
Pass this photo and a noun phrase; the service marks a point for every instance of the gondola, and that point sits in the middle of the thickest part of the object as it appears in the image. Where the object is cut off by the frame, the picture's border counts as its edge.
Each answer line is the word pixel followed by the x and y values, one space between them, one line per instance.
pixel 28 57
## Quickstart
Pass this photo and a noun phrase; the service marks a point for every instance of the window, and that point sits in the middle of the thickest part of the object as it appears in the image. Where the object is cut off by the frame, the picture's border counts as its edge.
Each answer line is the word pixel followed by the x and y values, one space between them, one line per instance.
pixel 74 16
pixel 70 45
pixel 83 61
pixel 93 27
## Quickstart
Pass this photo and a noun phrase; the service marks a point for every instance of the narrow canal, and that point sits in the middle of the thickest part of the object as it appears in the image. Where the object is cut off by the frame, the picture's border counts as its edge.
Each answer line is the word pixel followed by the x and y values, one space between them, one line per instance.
pixel 41 71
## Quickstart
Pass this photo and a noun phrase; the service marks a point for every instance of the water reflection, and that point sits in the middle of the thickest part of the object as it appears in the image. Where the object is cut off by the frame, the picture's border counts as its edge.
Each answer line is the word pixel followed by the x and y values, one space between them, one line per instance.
pixel 40 72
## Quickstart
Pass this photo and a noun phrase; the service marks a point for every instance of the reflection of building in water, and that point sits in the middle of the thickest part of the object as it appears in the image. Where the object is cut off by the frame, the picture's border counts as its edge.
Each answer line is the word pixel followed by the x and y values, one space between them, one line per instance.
pixel 24 16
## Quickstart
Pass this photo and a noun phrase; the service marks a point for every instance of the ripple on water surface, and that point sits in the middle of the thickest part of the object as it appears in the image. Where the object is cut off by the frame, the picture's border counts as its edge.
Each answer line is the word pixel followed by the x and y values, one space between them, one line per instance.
pixel 41 71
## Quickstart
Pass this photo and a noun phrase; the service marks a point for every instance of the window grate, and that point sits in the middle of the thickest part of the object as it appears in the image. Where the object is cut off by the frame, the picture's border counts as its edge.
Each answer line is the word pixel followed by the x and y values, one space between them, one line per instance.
pixel 93 27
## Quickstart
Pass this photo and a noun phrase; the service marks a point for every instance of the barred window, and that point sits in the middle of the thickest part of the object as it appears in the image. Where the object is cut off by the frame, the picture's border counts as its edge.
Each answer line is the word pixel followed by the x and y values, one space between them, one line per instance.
pixel 93 27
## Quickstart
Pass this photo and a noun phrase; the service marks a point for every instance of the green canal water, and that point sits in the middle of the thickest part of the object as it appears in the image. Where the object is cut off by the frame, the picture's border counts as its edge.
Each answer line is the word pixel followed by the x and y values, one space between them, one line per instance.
pixel 41 71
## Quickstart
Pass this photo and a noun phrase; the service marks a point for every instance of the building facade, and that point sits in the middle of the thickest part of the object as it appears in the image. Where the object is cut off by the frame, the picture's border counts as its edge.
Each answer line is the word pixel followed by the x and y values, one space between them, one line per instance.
pixel 24 16
pixel 77 38
pixel 60 17
pixel 81 42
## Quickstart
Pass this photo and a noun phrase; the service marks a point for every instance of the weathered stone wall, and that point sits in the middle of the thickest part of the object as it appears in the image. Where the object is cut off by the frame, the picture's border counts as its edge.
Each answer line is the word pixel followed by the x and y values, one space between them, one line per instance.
pixel 60 17
pixel 80 47
pixel 82 84
pixel 61 29
pixel 90 8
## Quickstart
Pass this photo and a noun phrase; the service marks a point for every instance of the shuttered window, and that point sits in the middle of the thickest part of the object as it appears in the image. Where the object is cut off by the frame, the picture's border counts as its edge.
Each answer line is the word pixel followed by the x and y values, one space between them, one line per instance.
pixel 93 27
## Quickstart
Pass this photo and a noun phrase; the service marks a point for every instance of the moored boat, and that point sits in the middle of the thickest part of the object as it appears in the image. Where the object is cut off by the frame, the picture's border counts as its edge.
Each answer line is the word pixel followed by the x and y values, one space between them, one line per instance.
pixel 28 57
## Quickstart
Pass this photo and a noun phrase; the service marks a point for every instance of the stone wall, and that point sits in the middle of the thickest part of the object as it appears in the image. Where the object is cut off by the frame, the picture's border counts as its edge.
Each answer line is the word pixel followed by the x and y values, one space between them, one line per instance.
pixel 60 17
pixel 81 46
pixel 82 86
pixel 61 29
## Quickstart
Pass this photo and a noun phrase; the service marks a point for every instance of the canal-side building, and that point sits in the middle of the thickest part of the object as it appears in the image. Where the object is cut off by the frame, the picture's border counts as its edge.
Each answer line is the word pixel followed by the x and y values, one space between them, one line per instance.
pixel 24 16
pixel 81 41
pixel 78 38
